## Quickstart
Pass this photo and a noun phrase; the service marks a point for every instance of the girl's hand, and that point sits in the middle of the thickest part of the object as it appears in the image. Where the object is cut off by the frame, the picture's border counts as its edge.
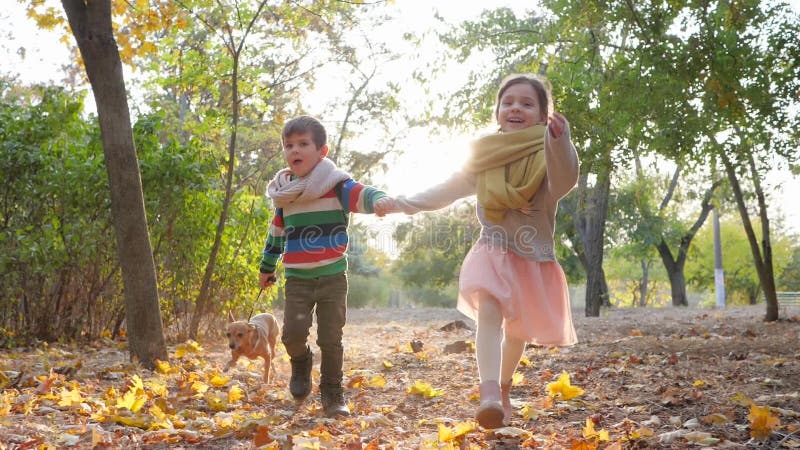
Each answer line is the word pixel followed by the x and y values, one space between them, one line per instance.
pixel 384 205
pixel 557 125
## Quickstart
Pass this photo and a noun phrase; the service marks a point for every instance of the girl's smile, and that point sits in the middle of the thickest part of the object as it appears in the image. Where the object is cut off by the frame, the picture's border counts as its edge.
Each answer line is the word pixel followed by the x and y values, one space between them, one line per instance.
pixel 519 108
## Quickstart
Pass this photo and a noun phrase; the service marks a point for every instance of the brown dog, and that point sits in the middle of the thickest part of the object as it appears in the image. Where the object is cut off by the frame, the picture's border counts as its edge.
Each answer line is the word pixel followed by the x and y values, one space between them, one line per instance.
pixel 253 339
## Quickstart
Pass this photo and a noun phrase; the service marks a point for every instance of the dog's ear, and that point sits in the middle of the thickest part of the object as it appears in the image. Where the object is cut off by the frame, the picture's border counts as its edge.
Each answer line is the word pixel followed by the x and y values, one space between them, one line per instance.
pixel 230 316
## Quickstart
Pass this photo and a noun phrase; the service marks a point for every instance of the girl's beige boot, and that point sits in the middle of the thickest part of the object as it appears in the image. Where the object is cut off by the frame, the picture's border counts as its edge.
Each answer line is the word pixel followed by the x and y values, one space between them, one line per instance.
pixel 490 412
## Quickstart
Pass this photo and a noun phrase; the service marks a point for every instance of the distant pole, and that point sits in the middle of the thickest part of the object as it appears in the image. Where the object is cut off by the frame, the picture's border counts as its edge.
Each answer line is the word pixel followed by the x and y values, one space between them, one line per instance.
pixel 719 273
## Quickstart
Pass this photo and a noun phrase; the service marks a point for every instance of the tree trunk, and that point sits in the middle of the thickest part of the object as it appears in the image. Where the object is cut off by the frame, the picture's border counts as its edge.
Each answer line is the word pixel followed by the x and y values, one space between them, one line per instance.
pixel 763 263
pixel 673 265
pixel 91 25
pixel 590 221
pixel 645 280
pixel 577 239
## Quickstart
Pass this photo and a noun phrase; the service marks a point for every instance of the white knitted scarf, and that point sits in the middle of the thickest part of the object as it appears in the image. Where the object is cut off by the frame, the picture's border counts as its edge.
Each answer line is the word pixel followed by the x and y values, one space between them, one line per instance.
pixel 283 190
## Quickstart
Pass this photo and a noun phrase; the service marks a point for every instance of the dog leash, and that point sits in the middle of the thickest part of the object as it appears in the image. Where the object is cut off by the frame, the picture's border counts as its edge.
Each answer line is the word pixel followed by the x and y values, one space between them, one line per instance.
pixel 254 304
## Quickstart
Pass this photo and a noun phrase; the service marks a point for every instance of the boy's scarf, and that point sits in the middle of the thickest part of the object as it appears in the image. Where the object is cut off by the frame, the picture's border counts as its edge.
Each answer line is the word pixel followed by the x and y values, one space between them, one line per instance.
pixel 510 167
pixel 284 189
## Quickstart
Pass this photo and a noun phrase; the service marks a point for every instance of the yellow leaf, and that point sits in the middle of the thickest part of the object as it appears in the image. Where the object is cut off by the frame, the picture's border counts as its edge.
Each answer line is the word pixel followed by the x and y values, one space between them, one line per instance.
pixel 447 434
pixel 157 412
pixel 235 394
pixel 4 381
pixel 530 413
pixel 133 400
pixel 187 347
pixel 741 399
pixel 162 421
pixel 377 381
pixel 525 362
pixel 517 378
pixel 70 397
pixel 158 389
pixel 139 421
pixel 199 387
pixel 641 432
pixel 563 389
pixel 387 365
pixel 425 389
pixel 163 366
pixel 699 383
pixel 590 433
pixel 762 422
pixel 217 402
pixel 218 381
pixel 137 383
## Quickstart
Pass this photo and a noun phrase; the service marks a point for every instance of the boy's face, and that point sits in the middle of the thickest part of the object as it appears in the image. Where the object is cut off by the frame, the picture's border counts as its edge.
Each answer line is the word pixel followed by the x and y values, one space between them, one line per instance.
pixel 301 153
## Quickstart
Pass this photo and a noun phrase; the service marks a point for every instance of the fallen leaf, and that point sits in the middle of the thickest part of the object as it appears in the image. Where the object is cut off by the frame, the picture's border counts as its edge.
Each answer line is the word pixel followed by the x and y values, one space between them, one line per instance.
pixel 562 389
pixel 187 347
pixel 425 389
pixel 762 422
pixel 447 434
pixel 590 433
pixel 235 394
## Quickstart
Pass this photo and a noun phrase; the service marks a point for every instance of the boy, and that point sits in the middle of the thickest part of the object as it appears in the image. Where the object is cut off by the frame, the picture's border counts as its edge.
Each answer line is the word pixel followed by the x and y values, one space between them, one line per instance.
pixel 312 199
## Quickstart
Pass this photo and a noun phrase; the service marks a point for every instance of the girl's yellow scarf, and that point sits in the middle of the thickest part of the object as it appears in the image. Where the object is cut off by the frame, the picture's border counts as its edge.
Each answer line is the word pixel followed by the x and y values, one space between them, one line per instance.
pixel 510 167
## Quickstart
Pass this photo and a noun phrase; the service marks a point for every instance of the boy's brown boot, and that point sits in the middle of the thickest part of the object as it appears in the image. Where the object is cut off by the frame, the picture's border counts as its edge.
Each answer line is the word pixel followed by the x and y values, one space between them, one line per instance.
pixel 505 398
pixel 333 400
pixel 490 412
pixel 300 383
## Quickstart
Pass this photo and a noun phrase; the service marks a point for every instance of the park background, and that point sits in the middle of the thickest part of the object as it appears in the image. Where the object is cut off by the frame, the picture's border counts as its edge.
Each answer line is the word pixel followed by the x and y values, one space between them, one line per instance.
pixel 682 112
pixel 660 101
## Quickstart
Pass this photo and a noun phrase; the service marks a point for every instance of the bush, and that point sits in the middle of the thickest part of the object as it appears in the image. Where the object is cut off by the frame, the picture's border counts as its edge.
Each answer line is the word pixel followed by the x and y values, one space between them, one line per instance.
pixel 367 291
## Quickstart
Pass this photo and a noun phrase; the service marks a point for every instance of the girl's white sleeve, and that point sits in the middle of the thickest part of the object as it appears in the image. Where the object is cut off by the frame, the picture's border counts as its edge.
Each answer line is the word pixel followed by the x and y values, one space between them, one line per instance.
pixel 562 164
pixel 459 185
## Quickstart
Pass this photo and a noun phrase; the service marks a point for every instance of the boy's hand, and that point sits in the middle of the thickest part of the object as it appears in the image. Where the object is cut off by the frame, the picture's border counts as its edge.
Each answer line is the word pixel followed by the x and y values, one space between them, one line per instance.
pixel 383 206
pixel 266 280
pixel 557 125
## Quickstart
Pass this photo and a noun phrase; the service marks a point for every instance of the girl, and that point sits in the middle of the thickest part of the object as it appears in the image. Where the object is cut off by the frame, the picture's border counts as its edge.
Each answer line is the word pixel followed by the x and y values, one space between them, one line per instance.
pixel 510 281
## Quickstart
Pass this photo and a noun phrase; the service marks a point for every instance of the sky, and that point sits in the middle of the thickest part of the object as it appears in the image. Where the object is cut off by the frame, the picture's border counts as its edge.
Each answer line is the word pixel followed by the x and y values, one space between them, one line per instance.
pixel 426 160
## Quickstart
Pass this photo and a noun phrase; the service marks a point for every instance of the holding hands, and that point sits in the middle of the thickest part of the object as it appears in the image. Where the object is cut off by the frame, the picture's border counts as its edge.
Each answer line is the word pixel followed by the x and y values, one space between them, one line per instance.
pixel 385 205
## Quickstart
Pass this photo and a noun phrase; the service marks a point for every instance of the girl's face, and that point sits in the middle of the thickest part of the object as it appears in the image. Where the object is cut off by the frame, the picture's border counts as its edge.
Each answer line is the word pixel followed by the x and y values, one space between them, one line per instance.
pixel 519 108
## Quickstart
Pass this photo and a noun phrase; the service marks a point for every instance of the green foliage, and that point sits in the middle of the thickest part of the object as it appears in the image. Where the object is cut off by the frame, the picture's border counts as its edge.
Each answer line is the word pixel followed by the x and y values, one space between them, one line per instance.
pixel 364 290
pixel 440 297
pixel 58 257
pixel 742 284
pixel 434 245
pixel 58 275
pixel 789 278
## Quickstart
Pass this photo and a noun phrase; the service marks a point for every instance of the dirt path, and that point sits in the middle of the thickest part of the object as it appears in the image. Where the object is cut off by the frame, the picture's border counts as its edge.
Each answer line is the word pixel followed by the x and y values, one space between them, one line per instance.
pixel 651 378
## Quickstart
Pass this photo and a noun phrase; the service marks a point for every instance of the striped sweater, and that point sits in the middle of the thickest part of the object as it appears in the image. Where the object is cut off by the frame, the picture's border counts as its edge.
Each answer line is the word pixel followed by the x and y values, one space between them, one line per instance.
pixel 312 236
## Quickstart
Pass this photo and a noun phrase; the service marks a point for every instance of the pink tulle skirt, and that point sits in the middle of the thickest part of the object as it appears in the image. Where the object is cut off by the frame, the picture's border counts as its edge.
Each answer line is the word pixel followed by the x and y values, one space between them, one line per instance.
pixel 533 295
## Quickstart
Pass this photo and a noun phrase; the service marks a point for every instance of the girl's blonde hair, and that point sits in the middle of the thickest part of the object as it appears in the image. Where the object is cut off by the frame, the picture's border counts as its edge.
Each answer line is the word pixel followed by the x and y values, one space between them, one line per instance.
pixel 540 85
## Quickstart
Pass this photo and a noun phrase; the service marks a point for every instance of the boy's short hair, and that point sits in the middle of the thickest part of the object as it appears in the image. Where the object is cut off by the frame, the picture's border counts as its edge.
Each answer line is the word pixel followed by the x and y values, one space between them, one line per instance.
pixel 306 124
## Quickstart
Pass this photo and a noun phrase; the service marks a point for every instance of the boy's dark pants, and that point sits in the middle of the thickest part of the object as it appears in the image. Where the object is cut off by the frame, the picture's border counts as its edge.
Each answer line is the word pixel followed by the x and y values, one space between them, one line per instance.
pixel 329 295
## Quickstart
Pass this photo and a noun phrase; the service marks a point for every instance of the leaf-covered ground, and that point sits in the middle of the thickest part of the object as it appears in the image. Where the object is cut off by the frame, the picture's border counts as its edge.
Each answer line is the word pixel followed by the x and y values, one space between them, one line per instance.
pixel 661 378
